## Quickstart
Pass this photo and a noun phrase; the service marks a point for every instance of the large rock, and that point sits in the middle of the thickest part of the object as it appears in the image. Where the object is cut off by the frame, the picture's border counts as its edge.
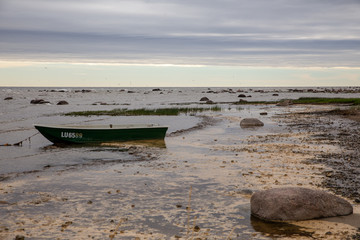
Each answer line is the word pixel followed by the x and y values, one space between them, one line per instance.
pixel 295 204
pixel 251 122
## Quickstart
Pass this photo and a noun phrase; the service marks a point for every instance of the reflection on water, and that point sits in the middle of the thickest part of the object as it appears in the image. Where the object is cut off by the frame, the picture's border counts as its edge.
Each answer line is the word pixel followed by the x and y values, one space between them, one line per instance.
pixel 278 229
pixel 157 143
pixel 117 146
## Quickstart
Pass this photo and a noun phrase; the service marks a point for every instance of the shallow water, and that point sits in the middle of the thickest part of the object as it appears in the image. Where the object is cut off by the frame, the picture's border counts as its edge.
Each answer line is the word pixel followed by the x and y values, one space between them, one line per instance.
pixel 202 178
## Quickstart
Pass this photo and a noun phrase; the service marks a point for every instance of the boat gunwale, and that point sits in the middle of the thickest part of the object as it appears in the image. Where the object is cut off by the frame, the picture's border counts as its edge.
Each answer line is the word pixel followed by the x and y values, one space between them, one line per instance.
pixel 102 127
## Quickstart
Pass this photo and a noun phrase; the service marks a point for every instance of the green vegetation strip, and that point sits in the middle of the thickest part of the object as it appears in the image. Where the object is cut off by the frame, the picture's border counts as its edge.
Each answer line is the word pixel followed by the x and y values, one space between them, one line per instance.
pixel 306 100
pixel 354 101
pixel 143 112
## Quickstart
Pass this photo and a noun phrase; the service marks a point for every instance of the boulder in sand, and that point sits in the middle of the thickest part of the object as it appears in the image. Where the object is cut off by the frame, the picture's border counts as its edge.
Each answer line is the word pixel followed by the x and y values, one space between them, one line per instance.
pixel 296 204
pixel 251 122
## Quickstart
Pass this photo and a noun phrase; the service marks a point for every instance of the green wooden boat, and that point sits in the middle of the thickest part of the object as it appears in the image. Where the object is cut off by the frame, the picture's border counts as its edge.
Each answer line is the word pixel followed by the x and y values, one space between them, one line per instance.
pixel 69 134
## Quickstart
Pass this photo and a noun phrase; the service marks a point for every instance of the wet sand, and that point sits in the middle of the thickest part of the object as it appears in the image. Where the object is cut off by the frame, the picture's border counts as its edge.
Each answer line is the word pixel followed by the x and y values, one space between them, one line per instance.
pixel 198 187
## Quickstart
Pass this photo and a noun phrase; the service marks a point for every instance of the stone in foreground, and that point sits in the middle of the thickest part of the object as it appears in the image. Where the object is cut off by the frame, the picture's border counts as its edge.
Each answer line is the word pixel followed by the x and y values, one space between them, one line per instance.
pixel 251 122
pixel 296 204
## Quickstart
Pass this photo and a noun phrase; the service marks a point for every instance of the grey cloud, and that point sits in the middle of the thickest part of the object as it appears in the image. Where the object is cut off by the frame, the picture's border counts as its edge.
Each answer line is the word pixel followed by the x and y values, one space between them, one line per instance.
pixel 226 32
pixel 177 50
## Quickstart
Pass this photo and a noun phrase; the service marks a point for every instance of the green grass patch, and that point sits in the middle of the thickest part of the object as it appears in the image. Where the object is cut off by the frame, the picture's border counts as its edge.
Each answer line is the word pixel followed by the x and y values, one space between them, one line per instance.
pixel 354 101
pixel 143 112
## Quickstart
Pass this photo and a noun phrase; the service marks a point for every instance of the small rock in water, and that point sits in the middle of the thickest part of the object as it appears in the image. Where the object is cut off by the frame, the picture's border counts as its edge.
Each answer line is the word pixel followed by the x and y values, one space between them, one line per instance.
pixel 62 103
pixel 8 98
pixel 251 122
pixel 204 99
pixel 296 204
pixel 263 113
pixel 38 101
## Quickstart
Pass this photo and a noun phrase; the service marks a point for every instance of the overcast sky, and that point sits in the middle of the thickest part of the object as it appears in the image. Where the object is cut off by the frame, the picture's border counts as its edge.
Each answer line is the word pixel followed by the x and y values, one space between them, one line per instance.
pixel 238 34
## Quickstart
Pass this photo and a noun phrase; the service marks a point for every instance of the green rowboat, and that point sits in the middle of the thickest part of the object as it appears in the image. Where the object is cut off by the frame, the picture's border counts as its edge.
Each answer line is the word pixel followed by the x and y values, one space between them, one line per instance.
pixel 66 134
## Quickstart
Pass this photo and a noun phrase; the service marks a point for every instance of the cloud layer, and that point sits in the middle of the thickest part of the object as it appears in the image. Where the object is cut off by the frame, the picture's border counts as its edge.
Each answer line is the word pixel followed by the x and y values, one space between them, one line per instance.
pixel 324 33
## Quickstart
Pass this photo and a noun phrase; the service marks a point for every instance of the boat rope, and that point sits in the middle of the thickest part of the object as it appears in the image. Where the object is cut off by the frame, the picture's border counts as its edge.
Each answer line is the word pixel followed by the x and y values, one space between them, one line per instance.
pixel 21 142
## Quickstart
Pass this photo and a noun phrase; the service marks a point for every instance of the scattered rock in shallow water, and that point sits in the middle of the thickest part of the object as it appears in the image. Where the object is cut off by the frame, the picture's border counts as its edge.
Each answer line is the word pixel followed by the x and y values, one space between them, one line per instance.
pixel 99 103
pixel 246 192
pixel 39 101
pixel 204 99
pixel 65 225
pixel 62 103
pixel 296 204
pixel 242 96
pixel 251 122
pixel 263 113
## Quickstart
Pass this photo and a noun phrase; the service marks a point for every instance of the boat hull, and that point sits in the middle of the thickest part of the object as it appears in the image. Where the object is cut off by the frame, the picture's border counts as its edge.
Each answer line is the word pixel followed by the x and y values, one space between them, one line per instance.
pixel 89 135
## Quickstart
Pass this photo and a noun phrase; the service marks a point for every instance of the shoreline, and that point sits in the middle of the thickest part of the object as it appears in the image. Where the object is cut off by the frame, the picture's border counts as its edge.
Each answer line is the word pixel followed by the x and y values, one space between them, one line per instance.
pixel 343 130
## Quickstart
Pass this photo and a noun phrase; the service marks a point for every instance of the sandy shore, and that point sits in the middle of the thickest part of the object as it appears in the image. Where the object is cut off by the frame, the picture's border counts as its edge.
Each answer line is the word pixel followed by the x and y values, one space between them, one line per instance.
pixel 198 187
pixel 328 142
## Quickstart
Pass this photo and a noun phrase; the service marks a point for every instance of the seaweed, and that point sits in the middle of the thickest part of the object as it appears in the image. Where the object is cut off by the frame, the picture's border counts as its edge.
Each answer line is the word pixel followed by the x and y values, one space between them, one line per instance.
pixel 143 112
